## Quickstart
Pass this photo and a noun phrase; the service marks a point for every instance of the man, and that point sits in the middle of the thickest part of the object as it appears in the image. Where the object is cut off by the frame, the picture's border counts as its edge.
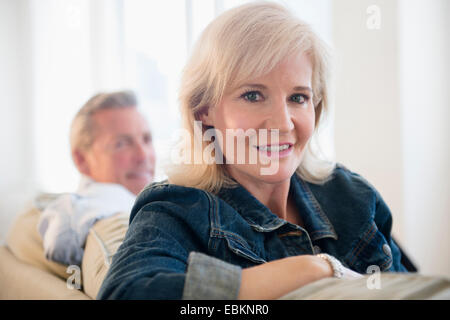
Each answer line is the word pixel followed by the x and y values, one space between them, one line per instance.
pixel 111 141
pixel 112 148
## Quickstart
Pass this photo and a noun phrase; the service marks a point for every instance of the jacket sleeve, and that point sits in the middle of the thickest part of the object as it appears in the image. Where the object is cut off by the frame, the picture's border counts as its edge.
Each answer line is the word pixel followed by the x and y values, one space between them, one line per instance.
pixel 149 264
pixel 383 220
pixel 379 247
pixel 164 256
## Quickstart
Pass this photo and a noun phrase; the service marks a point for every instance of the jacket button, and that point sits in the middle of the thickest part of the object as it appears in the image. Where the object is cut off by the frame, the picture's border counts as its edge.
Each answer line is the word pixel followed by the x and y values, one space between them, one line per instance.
pixel 317 249
pixel 387 250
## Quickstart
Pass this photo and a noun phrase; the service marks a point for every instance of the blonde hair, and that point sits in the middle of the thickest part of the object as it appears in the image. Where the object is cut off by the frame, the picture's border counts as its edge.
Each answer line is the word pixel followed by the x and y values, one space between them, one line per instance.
pixel 246 42
pixel 82 130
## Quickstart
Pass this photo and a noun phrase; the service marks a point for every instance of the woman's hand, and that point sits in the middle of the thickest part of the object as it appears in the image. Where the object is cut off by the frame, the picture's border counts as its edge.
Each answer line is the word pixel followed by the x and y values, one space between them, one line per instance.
pixel 274 279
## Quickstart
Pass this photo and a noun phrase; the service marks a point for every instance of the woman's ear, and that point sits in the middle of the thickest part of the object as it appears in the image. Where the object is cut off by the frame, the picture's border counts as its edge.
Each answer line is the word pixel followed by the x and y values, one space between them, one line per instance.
pixel 206 116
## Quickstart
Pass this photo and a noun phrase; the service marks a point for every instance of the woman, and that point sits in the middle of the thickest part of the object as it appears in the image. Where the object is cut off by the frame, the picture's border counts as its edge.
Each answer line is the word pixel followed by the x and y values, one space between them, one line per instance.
pixel 225 229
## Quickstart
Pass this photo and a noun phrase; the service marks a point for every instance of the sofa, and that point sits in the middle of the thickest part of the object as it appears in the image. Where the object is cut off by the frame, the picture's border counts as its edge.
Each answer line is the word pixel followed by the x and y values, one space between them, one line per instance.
pixel 25 273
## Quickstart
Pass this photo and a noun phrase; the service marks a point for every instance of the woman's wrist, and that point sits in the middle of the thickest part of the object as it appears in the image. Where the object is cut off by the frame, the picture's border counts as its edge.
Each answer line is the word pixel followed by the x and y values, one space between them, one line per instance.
pixel 338 270
pixel 335 264
pixel 322 268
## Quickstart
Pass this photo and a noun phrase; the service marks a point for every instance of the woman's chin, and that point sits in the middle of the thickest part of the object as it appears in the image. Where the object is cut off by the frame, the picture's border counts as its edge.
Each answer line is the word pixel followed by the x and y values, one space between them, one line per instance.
pixel 276 178
pixel 274 174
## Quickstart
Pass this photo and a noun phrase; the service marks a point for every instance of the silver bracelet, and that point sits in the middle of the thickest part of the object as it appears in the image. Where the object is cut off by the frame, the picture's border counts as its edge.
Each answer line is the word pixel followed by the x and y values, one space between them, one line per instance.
pixel 336 265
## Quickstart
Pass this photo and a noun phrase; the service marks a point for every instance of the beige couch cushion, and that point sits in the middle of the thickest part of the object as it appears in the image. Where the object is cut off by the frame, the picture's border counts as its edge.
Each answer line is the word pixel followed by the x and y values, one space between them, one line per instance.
pixel 103 240
pixel 25 243
pixel 19 280
pixel 102 243
pixel 390 286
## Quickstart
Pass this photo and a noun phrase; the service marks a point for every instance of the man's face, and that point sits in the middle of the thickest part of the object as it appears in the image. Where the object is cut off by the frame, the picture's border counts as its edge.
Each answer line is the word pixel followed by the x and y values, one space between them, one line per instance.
pixel 122 151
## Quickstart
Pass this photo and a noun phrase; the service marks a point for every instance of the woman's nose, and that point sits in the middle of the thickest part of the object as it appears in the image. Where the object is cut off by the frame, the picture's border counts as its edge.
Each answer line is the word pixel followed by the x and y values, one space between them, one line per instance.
pixel 280 117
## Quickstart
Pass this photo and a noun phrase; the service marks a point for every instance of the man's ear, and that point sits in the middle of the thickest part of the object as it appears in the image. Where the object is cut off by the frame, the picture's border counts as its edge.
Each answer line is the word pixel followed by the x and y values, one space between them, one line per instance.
pixel 79 158
pixel 205 116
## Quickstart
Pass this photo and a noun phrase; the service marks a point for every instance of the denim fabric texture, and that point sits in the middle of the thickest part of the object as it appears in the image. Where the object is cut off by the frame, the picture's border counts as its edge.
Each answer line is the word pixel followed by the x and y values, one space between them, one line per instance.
pixel 188 243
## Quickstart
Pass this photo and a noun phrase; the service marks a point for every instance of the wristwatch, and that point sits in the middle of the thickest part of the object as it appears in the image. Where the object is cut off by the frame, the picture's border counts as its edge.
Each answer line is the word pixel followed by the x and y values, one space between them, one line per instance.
pixel 336 265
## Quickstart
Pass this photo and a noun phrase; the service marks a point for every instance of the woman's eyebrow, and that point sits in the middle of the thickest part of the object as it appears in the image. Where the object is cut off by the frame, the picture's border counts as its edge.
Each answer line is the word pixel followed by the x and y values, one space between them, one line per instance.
pixel 253 85
pixel 302 88
pixel 263 87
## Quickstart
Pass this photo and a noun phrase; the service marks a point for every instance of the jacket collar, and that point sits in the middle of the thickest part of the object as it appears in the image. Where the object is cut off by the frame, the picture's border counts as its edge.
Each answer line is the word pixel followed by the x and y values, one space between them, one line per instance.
pixel 315 219
pixel 262 219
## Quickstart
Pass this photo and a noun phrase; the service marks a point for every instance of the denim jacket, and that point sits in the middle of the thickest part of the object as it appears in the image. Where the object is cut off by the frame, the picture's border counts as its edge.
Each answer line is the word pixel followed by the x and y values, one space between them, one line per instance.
pixel 188 243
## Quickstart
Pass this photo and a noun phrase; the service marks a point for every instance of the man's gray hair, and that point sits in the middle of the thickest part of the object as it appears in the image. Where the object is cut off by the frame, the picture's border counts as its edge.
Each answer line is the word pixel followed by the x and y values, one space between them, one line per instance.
pixel 82 131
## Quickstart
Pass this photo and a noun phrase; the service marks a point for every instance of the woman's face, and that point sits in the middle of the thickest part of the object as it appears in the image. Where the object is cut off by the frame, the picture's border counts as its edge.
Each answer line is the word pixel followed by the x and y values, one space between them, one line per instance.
pixel 281 99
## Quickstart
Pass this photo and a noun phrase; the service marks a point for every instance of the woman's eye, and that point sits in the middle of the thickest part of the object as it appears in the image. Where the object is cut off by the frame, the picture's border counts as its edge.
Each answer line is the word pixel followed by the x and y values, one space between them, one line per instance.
pixel 252 96
pixel 299 98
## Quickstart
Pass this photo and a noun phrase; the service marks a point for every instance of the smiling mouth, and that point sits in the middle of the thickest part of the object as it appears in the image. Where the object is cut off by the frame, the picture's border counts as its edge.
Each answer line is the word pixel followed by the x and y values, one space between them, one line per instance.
pixel 275 148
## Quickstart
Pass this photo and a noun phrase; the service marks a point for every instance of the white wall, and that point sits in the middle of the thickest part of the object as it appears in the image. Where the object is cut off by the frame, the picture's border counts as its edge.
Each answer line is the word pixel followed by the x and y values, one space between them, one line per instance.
pixel 392 111
pixel 424 60
pixel 16 168
pixel 367 109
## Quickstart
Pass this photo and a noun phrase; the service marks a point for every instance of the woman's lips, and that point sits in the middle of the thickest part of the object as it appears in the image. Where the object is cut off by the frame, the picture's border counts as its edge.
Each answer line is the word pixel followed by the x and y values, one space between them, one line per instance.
pixel 280 150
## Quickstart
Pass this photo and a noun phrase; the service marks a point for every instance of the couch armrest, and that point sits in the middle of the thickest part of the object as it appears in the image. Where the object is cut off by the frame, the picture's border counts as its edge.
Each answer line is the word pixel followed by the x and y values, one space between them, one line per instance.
pixel 19 280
